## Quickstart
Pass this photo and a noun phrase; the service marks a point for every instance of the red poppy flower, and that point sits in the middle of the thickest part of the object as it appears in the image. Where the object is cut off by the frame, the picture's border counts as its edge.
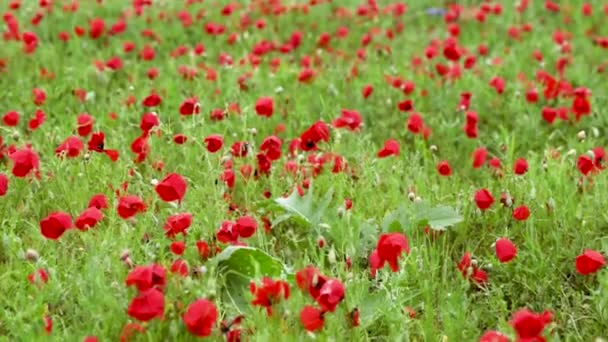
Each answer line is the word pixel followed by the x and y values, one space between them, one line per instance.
pixel 330 295
pixel 200 317
pixel 129 206
pixel 99 201
pixel 71 147
pixel 493 336
pixel 484 199
pixel 48 324
pixel 227 233
pixel 37 120
pixel 40 276
pixel 180 267
pixel 24 161
pixel 146 277
pixel 521 213
pixel 505 250
pixel 152 100
pixel 479 157
pixel 54 225
pixel 471 271
pixel 178 247
pixel 269 293
pixel 89 218
pixel 39 96
pixel 311 280
pixel 444 168
pixel 11 119
pixel 348 118
pixel 316 133
pixel 391 148
pixel 415 123
pixel 367 91
pixel 389 248
pixel 272 147
pixel 3 184
pixel 97 27
pixel 589 262
pixel 529 325
pixel 311 318
pixel 246 226
pixel 148 121
pixel 172 188
pixel 264 106
pixel 180 139
pixel 214 142
pixel 585 164
pixel 85 124
pixel 190 106
pixel 177 224
pixel 147 305
pixel 520 167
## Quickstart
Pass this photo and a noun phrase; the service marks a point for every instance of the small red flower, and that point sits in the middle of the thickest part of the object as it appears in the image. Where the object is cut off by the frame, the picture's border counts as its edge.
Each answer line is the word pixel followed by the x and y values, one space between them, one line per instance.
pixel 520 167
pixel 11 119
pixel 246 226
pixel 148 121
pixel 529 325
pixel 269 293
pixel 311 280
pixel 330 295
pixel 24 161
pixel 391 148
pixel 521 213
pixel 493 336
pixel 177 224
pixel 129 206
pixel 589 262
pixel 264 106
pixel 89 218
pixel 147 305
pixel 585 164
pixel 484 199
pixel 152 100
pixel 190 106
pixel 479 157
pixel 3 184
pixel 146 277
pixel 389 249
pixel 180 267
pixel 200 317
pixel 444 168
pixel 227 233
pixel 97 27
pixel 178 247
pixel 505 250
pixel 214 142
pixel 85 124
pixel 71 147
pixel 99 201
pixel 40 276
pixel 172 188
pixel 54 225
pixel 316 133
pixel 350 119
pixel 311 318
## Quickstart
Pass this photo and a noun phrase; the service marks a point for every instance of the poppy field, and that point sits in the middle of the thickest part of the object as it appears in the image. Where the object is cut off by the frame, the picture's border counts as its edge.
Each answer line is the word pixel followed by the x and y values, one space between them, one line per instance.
pixel 284 170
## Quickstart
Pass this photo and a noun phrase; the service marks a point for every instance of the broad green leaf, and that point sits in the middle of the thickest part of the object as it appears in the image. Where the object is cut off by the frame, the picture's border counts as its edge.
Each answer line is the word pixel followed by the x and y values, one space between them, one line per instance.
pixel 303 208
pixel 438 218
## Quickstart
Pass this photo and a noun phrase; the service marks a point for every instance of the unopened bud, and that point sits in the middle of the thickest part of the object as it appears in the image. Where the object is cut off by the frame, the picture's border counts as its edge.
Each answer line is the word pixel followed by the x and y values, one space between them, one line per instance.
pixel 31 254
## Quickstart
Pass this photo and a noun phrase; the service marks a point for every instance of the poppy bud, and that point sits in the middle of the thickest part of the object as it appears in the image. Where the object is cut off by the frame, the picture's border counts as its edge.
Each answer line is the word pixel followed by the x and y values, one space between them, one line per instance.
pixel 31 255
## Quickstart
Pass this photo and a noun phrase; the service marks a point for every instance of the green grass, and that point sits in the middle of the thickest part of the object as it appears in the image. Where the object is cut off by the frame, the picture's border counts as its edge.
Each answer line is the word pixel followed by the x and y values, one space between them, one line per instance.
pixel 86 294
